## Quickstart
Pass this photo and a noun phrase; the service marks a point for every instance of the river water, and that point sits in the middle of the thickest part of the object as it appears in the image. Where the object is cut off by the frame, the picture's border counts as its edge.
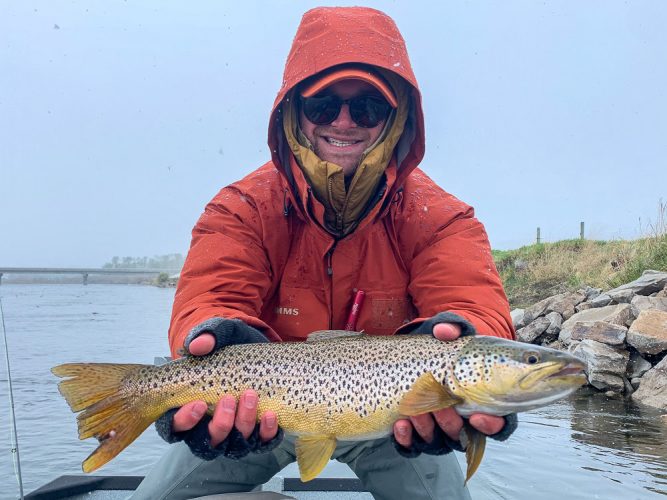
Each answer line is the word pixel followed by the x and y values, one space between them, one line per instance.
pixel 585 447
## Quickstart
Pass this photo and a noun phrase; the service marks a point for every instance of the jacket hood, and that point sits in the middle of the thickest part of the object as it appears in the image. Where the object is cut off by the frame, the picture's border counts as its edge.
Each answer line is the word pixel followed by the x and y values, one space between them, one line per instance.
pixel 330 36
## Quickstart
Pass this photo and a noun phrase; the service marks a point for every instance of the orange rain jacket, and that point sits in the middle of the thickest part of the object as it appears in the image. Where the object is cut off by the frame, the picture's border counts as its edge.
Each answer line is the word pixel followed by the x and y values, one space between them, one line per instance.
pixel 259 252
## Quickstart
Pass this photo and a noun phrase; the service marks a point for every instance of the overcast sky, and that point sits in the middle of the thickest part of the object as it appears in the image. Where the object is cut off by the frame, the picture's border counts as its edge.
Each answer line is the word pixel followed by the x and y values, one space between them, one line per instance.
pixel 119 120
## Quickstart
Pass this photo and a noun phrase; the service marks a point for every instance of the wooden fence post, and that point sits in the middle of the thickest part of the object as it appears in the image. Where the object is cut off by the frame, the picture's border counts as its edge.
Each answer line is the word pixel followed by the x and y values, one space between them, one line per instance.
pixel 581 230
pixel 538 236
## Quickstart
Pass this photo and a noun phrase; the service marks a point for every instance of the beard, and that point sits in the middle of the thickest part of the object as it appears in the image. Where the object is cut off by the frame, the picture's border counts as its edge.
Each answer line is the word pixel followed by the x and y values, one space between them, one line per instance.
pixel 347 160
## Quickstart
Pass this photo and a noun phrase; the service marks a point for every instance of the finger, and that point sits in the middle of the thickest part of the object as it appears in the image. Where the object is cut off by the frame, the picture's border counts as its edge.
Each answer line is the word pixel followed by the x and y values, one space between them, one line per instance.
pixel 202 345
pixel 246 415
pixel 447 331
pixel 487 424
pixel 223 420
pixel 268 426
pixel 188 415
pixel 450 422
pixel 424 425
pixel 403 433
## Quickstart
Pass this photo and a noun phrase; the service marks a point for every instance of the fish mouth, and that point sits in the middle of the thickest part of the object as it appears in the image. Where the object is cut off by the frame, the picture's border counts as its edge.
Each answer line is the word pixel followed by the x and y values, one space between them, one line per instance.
pixel 573 368
pixel 569 372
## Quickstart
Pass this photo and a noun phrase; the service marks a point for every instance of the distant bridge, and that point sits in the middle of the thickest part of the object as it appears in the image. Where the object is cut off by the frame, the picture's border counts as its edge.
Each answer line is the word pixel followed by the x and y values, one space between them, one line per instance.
pixel 83 271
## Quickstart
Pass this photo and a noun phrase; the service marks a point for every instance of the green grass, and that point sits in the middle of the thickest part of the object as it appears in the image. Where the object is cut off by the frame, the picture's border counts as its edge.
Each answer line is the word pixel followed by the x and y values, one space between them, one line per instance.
pixel 532 273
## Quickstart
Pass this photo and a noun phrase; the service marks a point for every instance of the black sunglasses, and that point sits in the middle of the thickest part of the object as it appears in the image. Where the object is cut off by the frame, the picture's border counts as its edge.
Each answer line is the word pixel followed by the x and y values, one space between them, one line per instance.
pixel 367 111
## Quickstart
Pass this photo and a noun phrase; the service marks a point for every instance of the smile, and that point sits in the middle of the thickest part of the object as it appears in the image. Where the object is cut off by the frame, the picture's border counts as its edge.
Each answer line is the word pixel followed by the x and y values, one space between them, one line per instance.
pixel 340 144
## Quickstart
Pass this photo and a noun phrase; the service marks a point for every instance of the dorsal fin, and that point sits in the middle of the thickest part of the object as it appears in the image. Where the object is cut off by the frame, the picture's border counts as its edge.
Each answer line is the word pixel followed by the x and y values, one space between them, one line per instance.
pixel 332 335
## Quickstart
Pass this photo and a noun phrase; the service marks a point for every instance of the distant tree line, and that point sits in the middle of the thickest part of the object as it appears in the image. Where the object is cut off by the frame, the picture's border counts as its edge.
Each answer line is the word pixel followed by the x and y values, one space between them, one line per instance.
pixel 170 261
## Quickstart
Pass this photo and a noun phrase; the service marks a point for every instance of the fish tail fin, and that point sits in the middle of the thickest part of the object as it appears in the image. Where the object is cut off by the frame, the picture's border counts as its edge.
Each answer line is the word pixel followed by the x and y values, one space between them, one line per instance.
pixel 110 412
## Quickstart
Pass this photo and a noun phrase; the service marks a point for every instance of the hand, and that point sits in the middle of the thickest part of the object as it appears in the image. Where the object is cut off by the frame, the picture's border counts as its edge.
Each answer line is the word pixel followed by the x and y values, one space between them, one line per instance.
pixel 447 419
pixel 232 431
pixel 226 416
pixel 215 333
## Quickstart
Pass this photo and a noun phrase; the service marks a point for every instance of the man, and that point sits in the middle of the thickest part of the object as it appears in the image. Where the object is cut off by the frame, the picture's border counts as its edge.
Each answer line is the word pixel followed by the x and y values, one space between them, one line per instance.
pixel 341 207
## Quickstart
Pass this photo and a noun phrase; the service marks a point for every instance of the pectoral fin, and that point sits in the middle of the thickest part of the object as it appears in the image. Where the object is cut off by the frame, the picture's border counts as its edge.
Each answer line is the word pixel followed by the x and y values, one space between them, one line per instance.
pixel 474 449
pixel 313 454
pixel 426 395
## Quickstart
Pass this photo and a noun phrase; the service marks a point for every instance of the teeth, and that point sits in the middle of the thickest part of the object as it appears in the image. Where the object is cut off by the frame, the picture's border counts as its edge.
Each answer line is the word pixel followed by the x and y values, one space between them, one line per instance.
pixel 339 143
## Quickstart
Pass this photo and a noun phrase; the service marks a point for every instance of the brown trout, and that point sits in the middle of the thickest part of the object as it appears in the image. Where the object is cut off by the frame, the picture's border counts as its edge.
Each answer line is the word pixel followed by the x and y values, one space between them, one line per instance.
pixel 336 386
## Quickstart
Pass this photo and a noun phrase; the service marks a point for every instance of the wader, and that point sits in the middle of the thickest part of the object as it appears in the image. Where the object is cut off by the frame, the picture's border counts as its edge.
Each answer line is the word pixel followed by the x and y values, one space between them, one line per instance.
pixel 382 471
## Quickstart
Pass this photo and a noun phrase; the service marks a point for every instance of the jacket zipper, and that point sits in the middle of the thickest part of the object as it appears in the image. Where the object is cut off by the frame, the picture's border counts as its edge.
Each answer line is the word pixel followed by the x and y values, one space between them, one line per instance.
pixel 330 274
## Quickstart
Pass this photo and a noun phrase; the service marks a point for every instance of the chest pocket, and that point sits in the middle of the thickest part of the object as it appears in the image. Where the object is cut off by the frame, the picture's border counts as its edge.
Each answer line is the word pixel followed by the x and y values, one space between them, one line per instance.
pixel 384 312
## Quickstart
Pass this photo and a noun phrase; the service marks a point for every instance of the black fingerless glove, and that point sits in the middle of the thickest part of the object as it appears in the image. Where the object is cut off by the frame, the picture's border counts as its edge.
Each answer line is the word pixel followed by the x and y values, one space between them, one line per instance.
pixel 440 445
pixel 198 439
pixel 443 444
pixel 226 332
pixel 511 423
pixel 445 317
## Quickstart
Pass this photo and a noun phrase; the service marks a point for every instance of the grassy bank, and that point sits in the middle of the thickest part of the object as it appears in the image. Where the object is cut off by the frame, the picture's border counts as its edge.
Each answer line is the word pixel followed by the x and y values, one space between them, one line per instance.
pixel 534 272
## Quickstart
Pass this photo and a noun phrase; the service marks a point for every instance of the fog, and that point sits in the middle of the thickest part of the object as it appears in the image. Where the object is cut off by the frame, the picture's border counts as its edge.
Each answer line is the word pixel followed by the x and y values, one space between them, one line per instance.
pixel 120 120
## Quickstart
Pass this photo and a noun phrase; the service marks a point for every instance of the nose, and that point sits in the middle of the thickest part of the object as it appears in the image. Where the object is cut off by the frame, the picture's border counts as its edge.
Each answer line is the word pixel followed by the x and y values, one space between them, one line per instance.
pixel 344 120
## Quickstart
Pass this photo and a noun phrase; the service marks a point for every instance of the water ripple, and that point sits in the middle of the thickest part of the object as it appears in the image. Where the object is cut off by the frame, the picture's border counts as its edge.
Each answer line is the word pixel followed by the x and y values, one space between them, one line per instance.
pixel 600 447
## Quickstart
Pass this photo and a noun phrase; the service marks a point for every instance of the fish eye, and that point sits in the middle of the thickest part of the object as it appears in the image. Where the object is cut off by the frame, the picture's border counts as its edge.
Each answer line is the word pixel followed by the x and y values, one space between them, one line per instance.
pixel 531 357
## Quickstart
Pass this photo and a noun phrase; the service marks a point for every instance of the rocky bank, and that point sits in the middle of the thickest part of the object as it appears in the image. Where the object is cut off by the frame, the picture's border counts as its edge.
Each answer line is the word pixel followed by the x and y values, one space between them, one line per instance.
pixel 620 333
